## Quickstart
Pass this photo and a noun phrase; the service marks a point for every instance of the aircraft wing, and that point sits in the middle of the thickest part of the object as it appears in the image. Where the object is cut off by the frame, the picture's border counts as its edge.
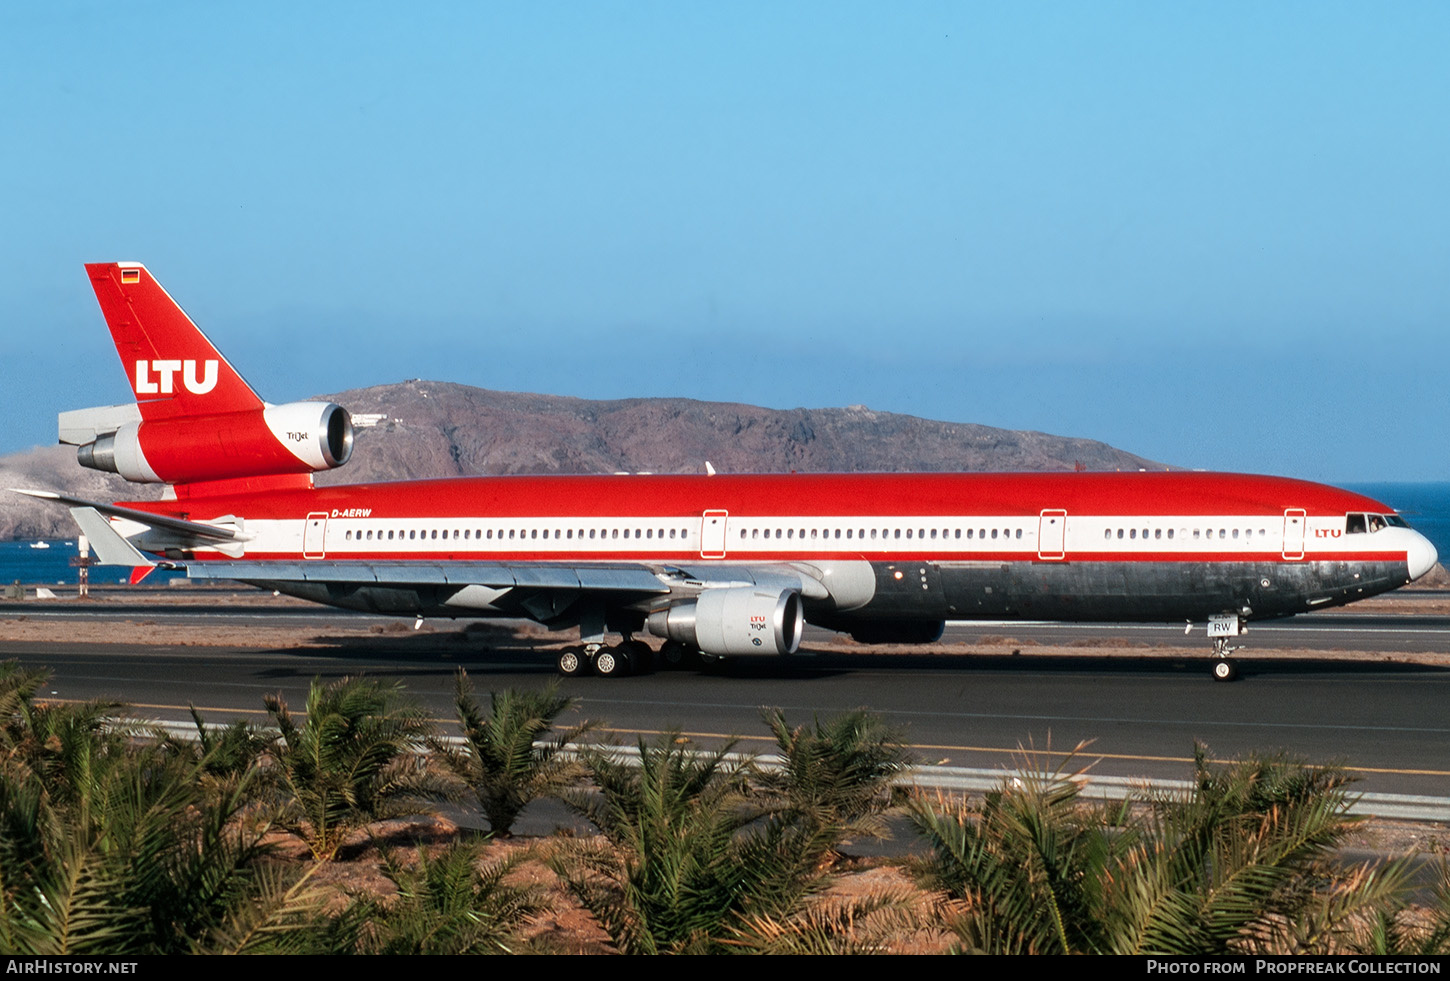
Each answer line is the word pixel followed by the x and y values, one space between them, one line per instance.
pixel 609 578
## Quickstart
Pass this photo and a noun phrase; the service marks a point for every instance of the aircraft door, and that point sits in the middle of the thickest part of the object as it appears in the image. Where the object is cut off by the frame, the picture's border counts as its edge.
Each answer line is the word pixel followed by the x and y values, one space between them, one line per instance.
pixel 1294 521
pixel 1052 534
pixel 712 534
pixel 314 536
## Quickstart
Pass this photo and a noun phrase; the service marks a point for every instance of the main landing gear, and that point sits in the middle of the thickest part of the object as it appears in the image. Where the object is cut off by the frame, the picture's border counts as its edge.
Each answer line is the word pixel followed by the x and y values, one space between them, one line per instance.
pixel 627 657
pixel 1222 629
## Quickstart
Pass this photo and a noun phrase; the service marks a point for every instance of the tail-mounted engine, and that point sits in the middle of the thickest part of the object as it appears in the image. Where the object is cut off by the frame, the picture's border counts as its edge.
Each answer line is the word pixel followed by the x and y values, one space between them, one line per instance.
pixel 735 620
pixel 299 437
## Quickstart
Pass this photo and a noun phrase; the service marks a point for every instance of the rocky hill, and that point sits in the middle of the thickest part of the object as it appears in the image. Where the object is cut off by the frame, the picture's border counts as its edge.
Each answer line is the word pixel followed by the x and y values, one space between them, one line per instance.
pixel 439 429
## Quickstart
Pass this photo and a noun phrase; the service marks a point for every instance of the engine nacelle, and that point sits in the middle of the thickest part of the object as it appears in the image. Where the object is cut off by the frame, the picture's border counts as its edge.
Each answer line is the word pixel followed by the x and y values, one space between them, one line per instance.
pixel 299 437
pixel 735 620
pixel 898 631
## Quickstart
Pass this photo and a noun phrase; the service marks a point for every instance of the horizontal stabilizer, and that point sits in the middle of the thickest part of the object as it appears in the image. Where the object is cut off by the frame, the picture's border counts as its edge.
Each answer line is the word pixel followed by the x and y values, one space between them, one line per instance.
pixel 81 426
pixel 219 533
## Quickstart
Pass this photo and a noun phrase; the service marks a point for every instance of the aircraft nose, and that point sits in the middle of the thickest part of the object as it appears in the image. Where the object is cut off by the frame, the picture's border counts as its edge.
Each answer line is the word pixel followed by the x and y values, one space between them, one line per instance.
pixel 1421 556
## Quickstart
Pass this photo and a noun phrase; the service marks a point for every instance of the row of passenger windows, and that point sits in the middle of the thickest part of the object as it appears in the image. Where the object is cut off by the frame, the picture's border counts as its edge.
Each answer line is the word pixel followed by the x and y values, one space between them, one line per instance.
pixel 871 534
pixel 531 534
pixel 1198 533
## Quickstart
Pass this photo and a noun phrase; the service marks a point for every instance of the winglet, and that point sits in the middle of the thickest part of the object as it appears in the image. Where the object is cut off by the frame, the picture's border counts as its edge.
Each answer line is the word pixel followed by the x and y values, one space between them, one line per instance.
pixel 110 547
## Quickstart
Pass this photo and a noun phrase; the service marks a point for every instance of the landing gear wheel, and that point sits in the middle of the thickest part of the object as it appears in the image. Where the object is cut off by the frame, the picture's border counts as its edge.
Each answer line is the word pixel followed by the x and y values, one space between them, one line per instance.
pixel 641 656
pixel 611 662
pixel 1224 670
pixel 677 655
pixel 571 662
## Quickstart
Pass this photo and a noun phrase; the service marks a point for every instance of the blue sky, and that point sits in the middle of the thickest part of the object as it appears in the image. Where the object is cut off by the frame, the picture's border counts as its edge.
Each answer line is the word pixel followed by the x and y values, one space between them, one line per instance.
pixel 1217 235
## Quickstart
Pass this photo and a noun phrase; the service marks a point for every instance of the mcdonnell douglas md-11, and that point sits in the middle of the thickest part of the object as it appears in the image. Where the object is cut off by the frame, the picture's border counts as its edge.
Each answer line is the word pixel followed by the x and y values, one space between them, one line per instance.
pixel 717 566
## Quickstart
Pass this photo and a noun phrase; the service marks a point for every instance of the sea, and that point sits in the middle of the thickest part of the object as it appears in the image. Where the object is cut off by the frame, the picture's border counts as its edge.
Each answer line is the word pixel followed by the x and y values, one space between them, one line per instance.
pixel 1426 506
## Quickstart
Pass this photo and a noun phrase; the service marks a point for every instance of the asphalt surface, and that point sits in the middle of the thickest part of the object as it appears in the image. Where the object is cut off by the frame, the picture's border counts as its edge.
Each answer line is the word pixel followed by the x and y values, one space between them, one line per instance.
pixel 1128 711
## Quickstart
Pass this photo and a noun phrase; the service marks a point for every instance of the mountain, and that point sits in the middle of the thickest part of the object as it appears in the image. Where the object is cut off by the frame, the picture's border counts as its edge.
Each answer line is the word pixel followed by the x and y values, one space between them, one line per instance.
pixel 440 429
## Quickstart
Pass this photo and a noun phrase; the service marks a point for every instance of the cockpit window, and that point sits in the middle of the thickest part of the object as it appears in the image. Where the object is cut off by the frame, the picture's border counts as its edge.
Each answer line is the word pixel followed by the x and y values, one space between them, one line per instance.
pixel 1376 522
pixel 1354 524
pixel 1396 521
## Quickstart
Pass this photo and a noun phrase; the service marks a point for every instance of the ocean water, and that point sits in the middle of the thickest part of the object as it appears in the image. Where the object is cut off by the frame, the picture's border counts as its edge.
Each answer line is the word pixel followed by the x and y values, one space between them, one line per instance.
pixel 51 566
pixel 1425 506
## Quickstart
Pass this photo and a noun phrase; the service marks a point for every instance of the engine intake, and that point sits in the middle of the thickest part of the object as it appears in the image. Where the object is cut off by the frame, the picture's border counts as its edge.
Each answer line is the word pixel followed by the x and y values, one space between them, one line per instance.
pixel 735 620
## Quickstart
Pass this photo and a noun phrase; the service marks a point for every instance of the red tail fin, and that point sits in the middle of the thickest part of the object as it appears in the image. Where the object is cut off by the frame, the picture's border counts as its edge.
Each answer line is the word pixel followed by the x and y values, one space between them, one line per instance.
pixel 174 370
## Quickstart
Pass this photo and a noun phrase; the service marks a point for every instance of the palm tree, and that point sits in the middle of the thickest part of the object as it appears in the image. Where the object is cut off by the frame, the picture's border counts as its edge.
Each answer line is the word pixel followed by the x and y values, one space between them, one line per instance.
pixel 1240 863
pixel 836 775
pixel 504 760
pixel 110 845
pixel 449 903
pixel 678 869
pixel 352 761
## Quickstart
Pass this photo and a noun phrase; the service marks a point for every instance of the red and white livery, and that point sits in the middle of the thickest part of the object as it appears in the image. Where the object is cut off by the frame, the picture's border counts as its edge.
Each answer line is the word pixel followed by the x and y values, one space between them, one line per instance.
pixel 719 566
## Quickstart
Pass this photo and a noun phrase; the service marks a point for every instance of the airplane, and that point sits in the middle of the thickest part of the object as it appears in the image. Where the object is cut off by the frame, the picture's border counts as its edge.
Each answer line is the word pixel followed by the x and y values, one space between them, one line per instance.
pixel 717 566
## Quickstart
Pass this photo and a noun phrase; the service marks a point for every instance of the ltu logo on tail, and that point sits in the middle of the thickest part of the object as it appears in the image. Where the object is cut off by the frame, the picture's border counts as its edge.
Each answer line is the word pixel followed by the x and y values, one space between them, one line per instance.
pixel 162 383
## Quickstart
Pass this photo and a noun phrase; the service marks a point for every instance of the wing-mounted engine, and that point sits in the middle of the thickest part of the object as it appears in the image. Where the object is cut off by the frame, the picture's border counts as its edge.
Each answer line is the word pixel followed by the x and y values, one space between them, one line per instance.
pixel 296 438
pixel 735 620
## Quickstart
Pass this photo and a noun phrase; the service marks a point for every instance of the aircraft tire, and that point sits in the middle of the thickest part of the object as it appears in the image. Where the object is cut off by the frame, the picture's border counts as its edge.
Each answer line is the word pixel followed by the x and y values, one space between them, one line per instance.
pixel 641 657
pixel 1224 670
pixel 611 662
pixel 677 656
pixel 571 662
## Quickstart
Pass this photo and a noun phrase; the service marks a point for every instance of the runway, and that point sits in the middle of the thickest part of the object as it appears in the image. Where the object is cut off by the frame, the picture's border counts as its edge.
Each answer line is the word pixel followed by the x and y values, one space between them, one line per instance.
pixel 1137 698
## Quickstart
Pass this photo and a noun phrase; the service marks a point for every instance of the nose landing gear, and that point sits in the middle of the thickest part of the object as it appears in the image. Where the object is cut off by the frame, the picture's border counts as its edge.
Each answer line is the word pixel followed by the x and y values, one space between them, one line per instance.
pixel 1222 629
